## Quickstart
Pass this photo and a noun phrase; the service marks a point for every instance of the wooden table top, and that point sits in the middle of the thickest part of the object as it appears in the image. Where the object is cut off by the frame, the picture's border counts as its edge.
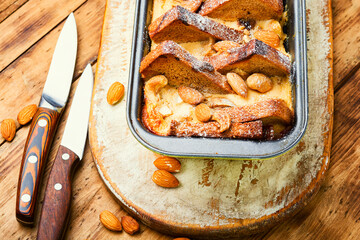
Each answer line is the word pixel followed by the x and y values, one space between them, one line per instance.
pixel 29 31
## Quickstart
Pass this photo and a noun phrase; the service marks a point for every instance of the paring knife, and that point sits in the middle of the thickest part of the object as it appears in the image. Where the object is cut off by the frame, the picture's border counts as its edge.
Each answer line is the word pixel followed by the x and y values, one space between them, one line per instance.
pixel 55 210
pixel 45 121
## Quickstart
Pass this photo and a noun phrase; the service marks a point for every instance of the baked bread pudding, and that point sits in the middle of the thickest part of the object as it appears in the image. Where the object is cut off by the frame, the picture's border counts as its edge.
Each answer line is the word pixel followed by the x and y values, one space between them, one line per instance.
pixel 217 68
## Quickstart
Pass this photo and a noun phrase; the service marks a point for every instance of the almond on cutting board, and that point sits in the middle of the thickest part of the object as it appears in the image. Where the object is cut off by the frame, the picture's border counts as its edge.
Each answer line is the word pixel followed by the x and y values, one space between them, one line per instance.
pixel 165 179
pixel 237 84
pixel 110 221
pixel 26 114
pixel 190 95
pixel 8 129
pixel 169 164
pixel 130 225
pixel 115 93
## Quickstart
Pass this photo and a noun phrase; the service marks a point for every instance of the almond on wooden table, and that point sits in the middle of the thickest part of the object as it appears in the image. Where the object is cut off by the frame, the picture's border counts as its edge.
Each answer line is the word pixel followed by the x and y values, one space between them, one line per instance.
pixel 190 95
pixel 8 129
pixel 115 93
pixel 237 84
pixel 165 179
pixel 169 164
pixel 203 112
pixel 130 225
pixel 26 114
pixel 110 221
pixel 268 37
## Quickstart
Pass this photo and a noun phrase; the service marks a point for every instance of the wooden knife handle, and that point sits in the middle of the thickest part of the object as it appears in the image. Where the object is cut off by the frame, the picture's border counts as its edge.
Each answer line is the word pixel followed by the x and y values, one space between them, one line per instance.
pixel 57 200
pixel 36 150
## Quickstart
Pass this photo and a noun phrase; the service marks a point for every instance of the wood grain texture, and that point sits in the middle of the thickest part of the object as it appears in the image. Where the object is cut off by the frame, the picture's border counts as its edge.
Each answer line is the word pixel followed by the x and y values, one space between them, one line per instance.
pixel 27 25
pixel 346 39
pixel 37 147
pixel 7 7
pixel 22 81
pixel 332 214
pixel 56 208
pixel 216 199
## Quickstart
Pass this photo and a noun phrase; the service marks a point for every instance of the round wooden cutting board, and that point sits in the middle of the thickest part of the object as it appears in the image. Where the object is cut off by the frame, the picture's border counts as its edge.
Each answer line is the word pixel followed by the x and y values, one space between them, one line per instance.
pixel 220 198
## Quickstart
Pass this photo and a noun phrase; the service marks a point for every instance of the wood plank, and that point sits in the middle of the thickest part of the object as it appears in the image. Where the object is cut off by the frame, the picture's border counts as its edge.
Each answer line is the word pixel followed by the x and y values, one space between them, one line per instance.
pixel 22 82
pixel 7 7
pixel 346 38
pixel 29 24
pixel 90 197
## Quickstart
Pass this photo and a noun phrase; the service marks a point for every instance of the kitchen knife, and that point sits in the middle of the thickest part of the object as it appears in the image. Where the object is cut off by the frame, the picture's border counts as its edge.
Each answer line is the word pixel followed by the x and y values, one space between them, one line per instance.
pixel 55 210
pixel 45 121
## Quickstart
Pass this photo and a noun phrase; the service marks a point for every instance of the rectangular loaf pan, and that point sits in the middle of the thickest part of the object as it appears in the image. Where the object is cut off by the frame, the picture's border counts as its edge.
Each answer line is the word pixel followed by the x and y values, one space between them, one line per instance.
pixel 217 147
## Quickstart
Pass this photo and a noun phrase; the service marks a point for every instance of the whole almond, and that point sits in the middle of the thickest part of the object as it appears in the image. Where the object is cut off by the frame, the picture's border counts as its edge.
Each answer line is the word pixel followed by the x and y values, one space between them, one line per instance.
pixel 190 95
pixel 115 93
pixel 169 164
pixel 8 129
pixel 165 179
pixel 237 84
pixel 274 26
pixel 223 46
pixel 259 82
pixel 268 37
pixel 129 225
pixel 110 221
pixel 214 102
pixel 223 118
pixel 26 114
pixel 203 112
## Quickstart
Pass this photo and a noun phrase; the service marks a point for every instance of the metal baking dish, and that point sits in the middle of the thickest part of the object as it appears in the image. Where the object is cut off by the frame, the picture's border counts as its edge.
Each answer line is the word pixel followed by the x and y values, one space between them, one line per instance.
pixel 217 147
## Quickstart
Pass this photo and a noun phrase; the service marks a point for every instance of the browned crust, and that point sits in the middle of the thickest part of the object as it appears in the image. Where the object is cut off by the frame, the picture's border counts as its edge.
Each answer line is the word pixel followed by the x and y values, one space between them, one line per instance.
pixel 234 9
pixel 272 109
pixel 203 75
pixel 249 130
pixel 180 25
pixel 255 56
pixel 191 5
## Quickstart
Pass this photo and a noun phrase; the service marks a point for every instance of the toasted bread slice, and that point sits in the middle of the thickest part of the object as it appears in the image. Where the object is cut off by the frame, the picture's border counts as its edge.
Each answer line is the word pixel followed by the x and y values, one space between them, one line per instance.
pixel 255 56
pixel 249 130
pixel 180 25
pixel 272 110
pixel 181 68
pixel 232 10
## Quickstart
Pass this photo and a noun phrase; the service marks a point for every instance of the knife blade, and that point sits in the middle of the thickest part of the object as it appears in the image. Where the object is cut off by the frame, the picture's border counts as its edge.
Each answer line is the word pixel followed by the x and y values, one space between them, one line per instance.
pixel 55 210
pixel 45 121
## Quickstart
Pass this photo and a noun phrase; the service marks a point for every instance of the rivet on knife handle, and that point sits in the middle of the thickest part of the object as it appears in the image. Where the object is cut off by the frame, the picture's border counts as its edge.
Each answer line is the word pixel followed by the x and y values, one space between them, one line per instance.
pixel 55 210
pixel 37 146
